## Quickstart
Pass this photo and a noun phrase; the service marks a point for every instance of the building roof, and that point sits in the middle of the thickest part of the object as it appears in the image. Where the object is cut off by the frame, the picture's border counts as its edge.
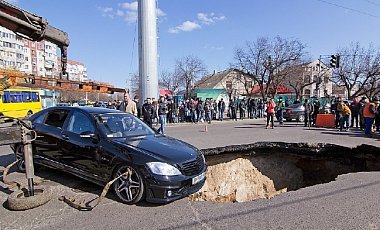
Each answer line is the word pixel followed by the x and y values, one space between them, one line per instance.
pixel 212 80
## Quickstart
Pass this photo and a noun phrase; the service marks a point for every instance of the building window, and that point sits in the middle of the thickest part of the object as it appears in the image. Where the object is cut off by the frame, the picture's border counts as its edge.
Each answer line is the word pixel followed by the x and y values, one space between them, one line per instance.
pixel 307 79
pixel 326 79
pixel 307 91
pixel 228 84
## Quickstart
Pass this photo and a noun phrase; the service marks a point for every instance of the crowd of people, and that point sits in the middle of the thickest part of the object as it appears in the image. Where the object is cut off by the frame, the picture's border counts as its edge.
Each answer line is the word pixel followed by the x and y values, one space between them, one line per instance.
pixel 362 114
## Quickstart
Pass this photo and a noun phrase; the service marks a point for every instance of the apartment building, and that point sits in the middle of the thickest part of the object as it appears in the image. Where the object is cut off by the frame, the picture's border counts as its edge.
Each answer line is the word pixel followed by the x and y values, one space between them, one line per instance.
pixel 11 50
pixel 319 75
pixel 36 58
pixel 76 71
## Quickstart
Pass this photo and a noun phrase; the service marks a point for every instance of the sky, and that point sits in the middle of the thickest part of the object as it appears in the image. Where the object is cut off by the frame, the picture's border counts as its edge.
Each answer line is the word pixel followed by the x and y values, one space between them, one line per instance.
pixel 103 33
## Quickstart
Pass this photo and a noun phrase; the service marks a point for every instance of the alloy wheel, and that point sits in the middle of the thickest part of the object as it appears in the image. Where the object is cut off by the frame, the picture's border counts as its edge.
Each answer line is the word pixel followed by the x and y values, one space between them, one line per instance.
pixel 130 187
pixel 19 152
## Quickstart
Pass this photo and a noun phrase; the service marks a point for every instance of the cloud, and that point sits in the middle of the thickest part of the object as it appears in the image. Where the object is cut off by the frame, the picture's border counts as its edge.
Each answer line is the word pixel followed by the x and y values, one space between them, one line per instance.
pixel 126 10
pixel 185 27
pixel 217 48
pixel 209 19
pixel 160 13
pixel 120 13
pixel 133 6
pixel 106 11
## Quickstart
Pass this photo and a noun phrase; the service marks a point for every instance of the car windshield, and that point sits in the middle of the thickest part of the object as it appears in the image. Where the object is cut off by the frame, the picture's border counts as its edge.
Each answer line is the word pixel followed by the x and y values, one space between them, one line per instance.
pixel 122 125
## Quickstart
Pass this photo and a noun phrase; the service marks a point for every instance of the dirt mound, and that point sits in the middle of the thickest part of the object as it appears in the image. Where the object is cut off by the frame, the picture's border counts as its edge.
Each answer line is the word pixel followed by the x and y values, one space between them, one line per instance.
pixel 235 181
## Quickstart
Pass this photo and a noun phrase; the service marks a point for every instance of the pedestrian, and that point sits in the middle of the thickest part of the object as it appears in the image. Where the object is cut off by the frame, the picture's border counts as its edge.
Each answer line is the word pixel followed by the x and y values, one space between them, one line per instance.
pixel 253 103
pixel 156 118
pixel 208 111
pixel 162 111
pixel 260 108
pixel 354 107
pixel 138 106
pixel 316 106
pixel 242 109
pixel 221 109
pixel 361 105
pixel 233 108
pixel 369 113
pixel 308 112
pixel 128 105
pixel 344 120
pixel 270 113
pixel 192 108
pixel 147 112
pixel 334 110
pixel 280 111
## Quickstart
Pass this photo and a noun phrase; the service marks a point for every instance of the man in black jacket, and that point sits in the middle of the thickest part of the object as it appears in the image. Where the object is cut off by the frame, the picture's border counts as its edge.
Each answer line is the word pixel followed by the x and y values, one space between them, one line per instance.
pixel 147 112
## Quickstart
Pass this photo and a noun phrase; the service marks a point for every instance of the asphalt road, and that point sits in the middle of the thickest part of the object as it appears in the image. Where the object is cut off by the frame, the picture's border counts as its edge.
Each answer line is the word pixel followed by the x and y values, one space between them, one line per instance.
pixel 349 202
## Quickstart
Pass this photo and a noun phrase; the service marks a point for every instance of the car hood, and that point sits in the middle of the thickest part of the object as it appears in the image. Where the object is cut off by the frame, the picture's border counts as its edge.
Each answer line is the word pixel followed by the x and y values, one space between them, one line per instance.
pixel 166 148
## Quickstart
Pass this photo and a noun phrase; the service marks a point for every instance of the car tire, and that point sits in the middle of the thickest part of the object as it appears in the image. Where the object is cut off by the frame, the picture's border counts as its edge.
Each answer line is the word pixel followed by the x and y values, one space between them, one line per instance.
pixel 129 189
pixel 19 154
pixel 19 200
pixel 301 118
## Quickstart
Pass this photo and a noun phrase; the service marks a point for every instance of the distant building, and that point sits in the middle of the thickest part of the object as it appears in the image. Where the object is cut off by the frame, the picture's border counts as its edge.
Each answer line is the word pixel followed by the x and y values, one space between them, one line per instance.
pixel 233 82
pixel 75 70
pixel 36 58
pixel 11 50
pixel 318 73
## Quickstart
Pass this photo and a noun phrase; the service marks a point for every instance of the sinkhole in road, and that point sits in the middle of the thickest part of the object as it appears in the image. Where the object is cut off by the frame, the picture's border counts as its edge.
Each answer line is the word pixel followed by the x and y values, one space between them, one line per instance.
pixel 263 170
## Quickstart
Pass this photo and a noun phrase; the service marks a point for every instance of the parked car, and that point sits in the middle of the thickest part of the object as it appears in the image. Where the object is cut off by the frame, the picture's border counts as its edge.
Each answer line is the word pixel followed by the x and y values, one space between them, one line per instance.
pixel 63 104
pixel 295 111
pixel 99 144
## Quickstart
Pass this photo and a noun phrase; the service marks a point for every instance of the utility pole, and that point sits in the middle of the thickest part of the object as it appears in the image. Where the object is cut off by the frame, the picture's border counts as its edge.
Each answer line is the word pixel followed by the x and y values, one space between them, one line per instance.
pixel 147 24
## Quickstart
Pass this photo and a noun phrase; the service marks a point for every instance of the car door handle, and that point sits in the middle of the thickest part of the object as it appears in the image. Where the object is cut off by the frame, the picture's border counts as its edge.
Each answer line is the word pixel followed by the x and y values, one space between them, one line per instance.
pixel 64 136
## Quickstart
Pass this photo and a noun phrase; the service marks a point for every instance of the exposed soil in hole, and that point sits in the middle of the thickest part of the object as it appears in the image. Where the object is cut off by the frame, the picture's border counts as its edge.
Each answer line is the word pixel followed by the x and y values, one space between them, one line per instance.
pixel 263 170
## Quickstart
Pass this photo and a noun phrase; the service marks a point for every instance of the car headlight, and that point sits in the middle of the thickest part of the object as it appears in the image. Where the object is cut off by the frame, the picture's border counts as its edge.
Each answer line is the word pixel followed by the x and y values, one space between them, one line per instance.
pixel 164 169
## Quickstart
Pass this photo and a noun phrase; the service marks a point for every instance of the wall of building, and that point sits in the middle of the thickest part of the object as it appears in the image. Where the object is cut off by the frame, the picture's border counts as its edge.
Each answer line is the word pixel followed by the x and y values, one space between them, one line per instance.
pixel 36 58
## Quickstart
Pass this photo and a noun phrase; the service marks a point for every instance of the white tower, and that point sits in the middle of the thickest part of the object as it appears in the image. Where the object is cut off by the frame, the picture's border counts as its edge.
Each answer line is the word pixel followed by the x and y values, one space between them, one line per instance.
pixel 147 49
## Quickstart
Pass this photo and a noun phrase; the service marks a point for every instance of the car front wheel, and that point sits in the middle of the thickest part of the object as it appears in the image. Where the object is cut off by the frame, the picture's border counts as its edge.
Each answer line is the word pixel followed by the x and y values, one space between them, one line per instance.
pixel 19 153
pixel 301 118
pixel 129 188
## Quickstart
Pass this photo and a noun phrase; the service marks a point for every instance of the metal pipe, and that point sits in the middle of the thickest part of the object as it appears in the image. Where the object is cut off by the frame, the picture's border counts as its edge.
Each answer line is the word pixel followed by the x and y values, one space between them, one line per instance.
pixel 28 157
pixel 20 21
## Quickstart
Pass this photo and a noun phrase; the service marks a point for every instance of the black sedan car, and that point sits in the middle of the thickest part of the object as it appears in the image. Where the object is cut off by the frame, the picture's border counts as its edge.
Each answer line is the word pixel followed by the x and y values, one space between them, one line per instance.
pixel 295 111
pixel 99 144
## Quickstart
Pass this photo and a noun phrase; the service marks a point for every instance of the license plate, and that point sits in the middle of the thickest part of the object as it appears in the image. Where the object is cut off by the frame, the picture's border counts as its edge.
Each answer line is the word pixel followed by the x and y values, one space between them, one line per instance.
pixel 198 178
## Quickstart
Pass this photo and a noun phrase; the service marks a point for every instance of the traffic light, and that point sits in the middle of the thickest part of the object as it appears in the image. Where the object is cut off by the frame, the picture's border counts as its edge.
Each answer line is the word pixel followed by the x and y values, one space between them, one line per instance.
pixel 334 61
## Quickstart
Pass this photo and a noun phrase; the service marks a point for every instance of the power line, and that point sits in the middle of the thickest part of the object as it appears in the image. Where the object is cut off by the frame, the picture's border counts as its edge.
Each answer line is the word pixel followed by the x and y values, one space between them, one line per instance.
pixel 348 8
pixel 133 47
pixel 373 3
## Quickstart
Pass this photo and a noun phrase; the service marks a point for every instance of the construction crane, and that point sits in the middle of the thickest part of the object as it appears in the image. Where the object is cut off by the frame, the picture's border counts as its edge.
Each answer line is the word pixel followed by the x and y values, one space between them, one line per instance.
pixel 35 28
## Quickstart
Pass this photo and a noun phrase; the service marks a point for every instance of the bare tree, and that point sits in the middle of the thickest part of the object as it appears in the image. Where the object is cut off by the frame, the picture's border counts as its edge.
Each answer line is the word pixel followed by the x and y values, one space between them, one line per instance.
pixel 189 70
pixel 135 84
pixel 265 59
pixel 359 70
pixel 170 81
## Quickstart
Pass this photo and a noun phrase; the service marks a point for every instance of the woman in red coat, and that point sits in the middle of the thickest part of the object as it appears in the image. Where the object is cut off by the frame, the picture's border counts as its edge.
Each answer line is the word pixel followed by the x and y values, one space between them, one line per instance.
pixel 270 112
